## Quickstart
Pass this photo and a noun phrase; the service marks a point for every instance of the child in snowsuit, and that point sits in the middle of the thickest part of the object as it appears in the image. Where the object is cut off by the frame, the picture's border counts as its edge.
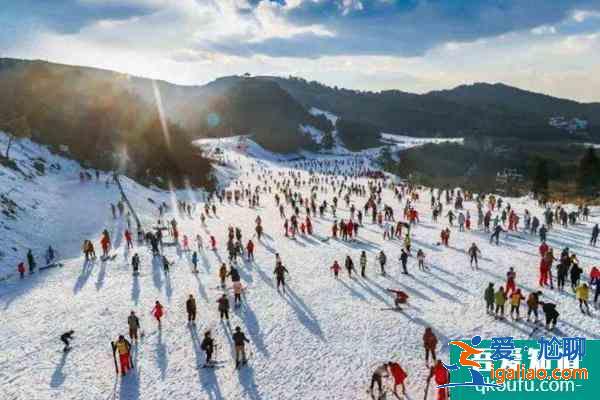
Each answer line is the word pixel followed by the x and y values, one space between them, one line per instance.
pixel 158 312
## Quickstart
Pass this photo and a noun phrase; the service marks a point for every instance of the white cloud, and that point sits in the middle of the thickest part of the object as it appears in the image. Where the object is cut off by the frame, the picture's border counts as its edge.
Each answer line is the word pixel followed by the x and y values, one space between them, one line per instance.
pixel 544 30
pixel 173 43
pixel 581 16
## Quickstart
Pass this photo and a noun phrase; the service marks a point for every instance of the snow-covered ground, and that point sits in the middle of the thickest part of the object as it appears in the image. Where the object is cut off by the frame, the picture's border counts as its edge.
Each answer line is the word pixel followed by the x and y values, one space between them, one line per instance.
pixel 404 142
pixel 319 341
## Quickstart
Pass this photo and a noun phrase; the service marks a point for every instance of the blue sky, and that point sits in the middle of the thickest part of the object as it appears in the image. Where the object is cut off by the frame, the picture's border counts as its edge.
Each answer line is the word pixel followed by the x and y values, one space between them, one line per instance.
pixel 550 46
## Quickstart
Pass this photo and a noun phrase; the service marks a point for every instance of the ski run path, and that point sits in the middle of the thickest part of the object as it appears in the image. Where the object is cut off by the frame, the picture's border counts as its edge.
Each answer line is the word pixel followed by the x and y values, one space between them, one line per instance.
pixel 321 340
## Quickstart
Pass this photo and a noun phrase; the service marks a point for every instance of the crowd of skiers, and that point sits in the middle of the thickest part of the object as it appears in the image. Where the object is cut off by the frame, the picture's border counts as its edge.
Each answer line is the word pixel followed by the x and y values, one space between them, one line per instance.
pixel 327 190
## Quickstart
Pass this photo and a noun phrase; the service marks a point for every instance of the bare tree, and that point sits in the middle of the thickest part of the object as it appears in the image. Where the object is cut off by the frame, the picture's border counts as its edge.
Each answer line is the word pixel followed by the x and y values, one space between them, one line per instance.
pixel 15 127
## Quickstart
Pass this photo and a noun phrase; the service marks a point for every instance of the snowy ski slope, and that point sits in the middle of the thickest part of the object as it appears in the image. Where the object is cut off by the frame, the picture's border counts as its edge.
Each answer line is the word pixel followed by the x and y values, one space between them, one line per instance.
pixel 319 341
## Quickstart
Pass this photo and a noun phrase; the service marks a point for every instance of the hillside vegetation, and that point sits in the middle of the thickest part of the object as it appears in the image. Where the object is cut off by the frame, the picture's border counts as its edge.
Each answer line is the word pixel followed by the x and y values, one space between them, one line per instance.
pixel 103 125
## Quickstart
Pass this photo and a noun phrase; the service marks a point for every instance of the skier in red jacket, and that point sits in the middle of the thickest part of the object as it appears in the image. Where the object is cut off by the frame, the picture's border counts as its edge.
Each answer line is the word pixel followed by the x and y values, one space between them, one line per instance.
pixel 336 269
pixel 399 376
pixel 441 377
pixel 21 269
pixel 105 243
pixel 128 239
pixel 250 250
pixel 158 311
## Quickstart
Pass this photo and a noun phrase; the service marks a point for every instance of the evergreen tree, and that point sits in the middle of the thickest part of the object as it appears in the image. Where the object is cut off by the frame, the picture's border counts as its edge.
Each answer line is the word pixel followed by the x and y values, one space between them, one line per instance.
pixel 588 172
pixel 540 178
pixel 327 141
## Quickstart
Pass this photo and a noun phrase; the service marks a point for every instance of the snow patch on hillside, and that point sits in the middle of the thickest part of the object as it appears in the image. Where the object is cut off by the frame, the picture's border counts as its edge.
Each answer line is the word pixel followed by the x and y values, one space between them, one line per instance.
pixel 315 134
pixel 330 116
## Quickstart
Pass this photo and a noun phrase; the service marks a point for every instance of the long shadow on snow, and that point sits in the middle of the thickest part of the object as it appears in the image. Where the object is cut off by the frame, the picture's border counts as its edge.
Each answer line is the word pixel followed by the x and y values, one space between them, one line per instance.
pixel 86 271
pixel 157 272
pixel 268 247
pixel 246 377
pixel 308 240
pixel 416 243
pixel 436 290
pixel 201 289
pixel 130 384
pixel 253 328
pixel 161 355
pixel 379 296
pixel 580 329
pixel 205 260
pixel 135 289
pixel 101 275
pixel 244 273
pixel 168 287
pixel 58 376
pixel 304 314
pixel 432 266
pixel 206 376
pixel 359 245
pixel 409 289
pixel 452 285
pixel 353 292
pixel 515 325
pixel 442 337
pixel 265 278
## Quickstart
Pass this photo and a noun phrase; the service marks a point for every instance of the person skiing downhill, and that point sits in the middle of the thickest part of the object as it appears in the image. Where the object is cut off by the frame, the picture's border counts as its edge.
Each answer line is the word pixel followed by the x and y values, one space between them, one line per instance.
pixel 401 297
pixel 66 338
pixel 363 263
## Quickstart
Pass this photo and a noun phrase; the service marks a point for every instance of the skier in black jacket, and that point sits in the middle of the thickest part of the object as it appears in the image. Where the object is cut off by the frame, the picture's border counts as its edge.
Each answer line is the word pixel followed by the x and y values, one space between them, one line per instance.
pixel 404 260
pixel 65 338
pixel 551 314
pixel 240 340
pixel 208 345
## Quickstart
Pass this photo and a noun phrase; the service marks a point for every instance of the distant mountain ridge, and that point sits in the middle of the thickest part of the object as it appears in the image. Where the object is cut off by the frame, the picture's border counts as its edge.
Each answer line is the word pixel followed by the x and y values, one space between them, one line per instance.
pixel 273 108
